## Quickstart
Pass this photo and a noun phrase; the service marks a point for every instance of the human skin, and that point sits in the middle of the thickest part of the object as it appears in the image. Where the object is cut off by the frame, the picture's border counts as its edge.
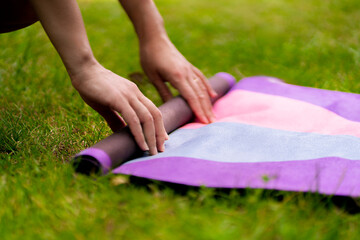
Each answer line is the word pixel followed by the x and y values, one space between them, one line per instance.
pixel 107 93
pixel 162 62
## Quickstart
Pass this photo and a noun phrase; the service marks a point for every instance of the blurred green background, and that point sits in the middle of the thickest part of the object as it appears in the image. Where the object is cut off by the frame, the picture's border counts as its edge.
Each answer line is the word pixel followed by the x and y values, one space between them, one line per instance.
pixel 43 122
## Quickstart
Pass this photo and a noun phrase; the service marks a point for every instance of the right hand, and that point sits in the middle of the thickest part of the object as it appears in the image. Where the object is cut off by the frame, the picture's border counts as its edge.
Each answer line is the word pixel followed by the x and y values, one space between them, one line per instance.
pixel 110 94
pixel 162 62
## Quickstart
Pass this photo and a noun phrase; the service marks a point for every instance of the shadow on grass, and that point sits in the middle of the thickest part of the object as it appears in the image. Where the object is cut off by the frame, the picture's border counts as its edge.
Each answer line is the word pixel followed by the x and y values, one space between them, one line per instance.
pixel 347 204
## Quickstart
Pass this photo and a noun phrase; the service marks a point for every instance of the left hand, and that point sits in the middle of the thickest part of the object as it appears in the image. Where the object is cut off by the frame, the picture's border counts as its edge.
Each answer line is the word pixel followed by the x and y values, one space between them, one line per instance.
pixel 162 62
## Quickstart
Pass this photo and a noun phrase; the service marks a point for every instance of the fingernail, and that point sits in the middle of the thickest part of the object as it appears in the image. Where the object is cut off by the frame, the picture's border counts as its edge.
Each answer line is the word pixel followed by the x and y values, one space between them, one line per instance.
pixel 153 151
pixel 205 120
pixel 145 147
pixel 162 148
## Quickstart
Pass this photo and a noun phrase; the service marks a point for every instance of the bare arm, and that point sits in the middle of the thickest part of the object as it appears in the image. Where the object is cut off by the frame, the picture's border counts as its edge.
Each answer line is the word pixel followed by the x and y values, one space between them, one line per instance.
pixel 162 62
pixel 106 92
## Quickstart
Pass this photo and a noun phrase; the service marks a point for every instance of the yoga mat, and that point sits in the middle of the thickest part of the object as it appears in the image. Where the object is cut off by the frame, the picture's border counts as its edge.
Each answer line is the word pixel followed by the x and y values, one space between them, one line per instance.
pixel 267 134
pixel 120 146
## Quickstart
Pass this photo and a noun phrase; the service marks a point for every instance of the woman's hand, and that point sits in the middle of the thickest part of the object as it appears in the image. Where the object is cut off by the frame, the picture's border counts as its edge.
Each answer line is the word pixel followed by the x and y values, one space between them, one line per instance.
pixel 106 92
pixel 162 62
pixel 111 95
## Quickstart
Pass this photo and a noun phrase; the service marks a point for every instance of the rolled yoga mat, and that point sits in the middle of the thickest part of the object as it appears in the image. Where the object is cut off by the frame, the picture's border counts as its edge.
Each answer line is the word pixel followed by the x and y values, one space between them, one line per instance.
pixel 119 147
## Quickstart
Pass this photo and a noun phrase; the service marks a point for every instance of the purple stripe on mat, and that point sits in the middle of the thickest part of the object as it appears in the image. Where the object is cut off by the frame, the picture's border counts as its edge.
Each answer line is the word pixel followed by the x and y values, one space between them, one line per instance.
pixel 100 156
pixel 330 175
pixel 344 104
pixel 228 77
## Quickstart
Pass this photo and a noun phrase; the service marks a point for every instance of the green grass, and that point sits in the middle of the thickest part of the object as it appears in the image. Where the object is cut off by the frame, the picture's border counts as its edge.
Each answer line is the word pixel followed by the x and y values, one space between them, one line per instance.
pixel 43 122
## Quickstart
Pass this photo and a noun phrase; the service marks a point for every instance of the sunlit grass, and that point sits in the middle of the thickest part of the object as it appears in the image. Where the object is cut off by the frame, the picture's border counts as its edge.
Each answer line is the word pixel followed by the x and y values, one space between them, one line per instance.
pixel 43 122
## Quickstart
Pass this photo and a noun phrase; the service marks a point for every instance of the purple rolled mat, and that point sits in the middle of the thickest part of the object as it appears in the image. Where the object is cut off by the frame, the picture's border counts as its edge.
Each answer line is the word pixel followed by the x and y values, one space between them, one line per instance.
pixel 119 147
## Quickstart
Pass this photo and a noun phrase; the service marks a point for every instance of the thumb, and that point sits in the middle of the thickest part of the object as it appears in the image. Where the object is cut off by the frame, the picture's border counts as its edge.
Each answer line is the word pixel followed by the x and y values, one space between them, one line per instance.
pixel 112 118
pixel 161 87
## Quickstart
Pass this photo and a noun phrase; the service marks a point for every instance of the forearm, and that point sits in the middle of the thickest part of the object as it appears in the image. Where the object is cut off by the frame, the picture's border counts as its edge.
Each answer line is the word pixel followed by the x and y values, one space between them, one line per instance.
pixel 162 62
pixel 146 19
pixel 106 92
pixel 63 24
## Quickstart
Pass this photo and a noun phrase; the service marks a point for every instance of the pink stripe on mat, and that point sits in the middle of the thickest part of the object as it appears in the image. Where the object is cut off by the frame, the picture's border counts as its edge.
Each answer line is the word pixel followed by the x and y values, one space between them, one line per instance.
pixel 344 104
pixel 280 113
pixel 330 175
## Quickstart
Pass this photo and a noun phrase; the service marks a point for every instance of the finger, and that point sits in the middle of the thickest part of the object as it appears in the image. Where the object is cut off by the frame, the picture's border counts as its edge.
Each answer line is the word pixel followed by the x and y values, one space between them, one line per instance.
pixel 161 134
pixel 204 80
pixel 161 87
pixel 192 97
pixel 147 122
pixel 133 121
pixel 203 97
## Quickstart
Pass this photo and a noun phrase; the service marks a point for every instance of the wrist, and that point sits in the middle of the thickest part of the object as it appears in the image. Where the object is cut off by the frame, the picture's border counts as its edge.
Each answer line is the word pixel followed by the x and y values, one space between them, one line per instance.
pixel 156 42
pixel 83 71
pixel 79 63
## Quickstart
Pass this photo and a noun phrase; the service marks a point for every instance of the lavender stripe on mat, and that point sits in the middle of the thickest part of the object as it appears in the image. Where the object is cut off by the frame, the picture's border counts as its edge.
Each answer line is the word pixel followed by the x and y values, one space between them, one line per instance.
pixel 101 156
pixel 330 175
pixel 228 77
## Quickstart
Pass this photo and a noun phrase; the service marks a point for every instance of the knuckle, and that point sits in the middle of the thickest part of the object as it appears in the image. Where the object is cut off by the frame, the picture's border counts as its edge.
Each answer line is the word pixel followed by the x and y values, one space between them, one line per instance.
pixel 133 120
pixel 133 86
pixel 160 142
pixel 177 75
pixel 147 118
pixel 161 138
pixel 201 96
pixel 157 114
pixel 203 87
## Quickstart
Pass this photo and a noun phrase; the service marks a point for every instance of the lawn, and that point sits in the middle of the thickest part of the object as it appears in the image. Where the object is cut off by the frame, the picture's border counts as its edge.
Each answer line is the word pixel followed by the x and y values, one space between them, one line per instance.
pixel 44 122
